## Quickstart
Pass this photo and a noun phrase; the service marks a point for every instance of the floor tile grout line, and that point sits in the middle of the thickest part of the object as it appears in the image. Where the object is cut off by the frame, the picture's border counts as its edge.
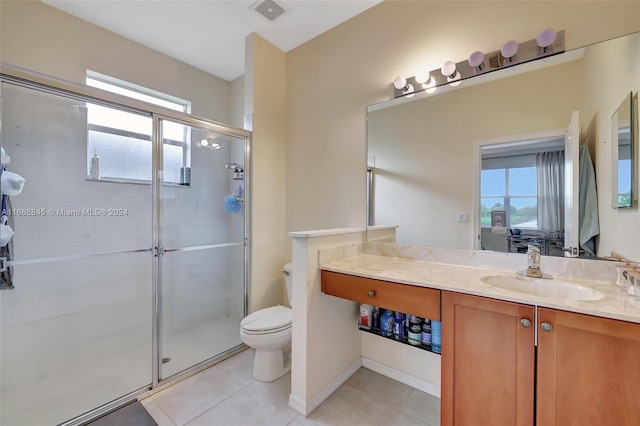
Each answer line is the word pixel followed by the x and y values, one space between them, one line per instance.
pixel 215 405
pixel 195 375
pixel 161 409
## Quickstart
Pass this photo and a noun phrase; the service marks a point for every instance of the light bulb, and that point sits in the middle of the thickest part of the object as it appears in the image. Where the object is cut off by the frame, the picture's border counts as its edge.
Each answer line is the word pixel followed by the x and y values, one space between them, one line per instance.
pixel 546 38
pixel 204 142
pixel 448 68
pixel 422 77
pixel 509 49
pixel 476 59
pixel 400 82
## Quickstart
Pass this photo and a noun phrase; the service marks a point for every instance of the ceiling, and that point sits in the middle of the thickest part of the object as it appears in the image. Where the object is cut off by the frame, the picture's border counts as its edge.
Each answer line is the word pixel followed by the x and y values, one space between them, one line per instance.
pixel 210 34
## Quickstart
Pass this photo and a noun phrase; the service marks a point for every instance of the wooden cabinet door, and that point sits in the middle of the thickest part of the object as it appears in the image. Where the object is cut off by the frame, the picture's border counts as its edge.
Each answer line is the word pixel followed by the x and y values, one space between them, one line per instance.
pixel 487 362
pixel 588 370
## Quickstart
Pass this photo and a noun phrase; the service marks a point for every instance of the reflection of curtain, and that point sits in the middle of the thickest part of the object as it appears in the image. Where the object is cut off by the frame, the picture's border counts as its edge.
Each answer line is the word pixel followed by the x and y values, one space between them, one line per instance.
pixel 550 166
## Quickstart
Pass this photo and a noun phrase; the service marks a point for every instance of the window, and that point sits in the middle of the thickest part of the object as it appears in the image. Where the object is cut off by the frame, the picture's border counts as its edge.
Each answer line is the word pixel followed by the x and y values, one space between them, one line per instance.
pixel 122 139
pixel 510 185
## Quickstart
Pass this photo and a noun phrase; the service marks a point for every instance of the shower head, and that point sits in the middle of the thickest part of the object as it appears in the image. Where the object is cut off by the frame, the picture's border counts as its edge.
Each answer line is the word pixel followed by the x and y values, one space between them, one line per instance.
pixel 233 166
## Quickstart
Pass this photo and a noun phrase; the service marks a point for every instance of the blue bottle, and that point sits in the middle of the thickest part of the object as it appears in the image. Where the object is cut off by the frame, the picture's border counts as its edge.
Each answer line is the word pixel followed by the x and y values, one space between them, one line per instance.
pixel 398 326
pixel 436 336
pixel 387 321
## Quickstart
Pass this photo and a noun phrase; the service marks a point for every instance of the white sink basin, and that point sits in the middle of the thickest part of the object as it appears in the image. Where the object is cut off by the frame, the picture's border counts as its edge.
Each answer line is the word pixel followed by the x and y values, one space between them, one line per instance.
pixel 542 287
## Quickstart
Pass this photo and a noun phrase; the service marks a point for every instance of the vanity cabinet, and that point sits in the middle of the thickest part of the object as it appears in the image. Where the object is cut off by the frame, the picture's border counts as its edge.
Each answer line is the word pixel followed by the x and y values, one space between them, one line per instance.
pixel 586 370
pixel 487 361
pixel 420 301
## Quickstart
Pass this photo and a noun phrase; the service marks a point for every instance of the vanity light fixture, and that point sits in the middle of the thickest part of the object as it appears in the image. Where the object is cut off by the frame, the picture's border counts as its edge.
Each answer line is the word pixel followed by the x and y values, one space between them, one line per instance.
pixel 545 40
pixel 548 43
pixel 509 50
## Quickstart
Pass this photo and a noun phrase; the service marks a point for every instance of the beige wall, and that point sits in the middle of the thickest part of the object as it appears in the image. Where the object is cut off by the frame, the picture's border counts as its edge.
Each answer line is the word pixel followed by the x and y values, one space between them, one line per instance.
pixel 332 78
pixel 46 40
pixel 265 103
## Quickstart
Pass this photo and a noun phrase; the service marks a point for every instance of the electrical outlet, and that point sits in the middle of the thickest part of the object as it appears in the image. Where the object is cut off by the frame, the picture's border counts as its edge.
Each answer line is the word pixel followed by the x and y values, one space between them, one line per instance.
pixel 463 217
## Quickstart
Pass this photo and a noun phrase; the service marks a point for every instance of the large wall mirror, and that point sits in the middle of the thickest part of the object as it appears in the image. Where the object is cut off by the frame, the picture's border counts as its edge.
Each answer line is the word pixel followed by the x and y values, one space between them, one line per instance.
pixel 622 137
pixel 440 163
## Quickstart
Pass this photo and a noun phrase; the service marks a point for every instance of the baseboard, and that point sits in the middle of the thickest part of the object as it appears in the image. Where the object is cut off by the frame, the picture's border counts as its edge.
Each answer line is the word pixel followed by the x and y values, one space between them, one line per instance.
pixel 305 408
pixel 402 377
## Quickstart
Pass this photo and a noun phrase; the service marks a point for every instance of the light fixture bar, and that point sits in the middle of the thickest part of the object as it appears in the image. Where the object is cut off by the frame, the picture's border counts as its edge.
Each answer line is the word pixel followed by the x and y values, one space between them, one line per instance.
pixel 492 61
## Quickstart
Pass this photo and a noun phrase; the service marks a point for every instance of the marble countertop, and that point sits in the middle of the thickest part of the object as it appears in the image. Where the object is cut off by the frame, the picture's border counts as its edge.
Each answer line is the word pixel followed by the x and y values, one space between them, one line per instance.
pixel 615 304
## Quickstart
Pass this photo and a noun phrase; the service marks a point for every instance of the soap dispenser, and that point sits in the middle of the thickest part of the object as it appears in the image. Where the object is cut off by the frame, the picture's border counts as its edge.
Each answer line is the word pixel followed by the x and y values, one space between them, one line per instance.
pixel 94 169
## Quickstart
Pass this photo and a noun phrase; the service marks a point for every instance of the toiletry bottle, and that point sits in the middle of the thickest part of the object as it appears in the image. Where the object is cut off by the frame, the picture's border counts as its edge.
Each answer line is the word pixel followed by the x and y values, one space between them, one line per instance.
pixel 375 318
pixel 436 336
pixel 386 323
pixel 398 326
pixel 365 316
pixel 94 170
pixel 426 332
pixel 415 330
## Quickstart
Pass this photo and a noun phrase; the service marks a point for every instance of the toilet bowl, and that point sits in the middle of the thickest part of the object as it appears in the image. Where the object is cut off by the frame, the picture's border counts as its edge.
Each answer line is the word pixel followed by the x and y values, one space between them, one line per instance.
pixel 268 331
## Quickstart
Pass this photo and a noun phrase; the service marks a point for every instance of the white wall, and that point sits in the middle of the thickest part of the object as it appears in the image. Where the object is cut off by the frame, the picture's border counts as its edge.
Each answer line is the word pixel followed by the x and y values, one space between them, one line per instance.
pixel 332 79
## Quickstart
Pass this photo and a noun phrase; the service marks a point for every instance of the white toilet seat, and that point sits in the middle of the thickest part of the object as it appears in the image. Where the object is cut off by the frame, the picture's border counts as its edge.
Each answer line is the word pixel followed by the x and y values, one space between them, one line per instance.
pixel 267 321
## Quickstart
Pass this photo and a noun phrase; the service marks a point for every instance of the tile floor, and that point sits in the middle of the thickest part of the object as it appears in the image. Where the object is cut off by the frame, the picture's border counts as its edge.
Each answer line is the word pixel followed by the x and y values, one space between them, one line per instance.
pixel 227 394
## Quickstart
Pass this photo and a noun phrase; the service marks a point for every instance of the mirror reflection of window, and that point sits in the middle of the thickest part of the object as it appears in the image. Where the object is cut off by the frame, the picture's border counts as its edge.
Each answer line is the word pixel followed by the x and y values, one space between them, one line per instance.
pixel 622 153
pixel 526 180
pixel 513 190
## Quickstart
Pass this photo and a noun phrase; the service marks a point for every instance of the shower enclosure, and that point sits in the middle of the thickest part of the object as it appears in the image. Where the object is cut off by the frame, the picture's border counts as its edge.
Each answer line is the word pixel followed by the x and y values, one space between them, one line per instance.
pixel 128 259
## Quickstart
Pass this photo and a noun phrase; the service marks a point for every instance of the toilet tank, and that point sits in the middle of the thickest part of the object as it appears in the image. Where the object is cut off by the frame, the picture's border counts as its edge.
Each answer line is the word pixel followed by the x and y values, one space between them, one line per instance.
pixel 288 279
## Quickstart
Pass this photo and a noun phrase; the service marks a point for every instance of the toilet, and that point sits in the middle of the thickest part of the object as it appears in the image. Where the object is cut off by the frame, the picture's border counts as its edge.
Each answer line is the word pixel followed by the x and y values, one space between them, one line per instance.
pixel 268 331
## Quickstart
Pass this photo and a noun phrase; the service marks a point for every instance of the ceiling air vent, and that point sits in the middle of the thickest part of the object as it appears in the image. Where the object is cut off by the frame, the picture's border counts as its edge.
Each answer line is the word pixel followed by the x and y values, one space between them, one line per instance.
pixel 269 9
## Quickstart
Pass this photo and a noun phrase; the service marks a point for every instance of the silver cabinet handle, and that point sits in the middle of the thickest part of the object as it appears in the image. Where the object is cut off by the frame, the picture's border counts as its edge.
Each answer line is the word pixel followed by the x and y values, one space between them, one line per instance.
pixel 371 293
pixel 546 326
pixel 525 323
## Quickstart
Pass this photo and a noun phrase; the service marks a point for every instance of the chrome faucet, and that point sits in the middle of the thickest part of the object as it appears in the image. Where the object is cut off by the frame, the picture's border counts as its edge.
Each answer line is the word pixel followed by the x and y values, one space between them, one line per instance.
pixel 533 264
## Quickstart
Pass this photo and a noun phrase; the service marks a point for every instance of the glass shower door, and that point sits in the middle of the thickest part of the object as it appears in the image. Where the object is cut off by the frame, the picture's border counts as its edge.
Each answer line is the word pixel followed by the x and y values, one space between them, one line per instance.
pixel 201 239
pixel 76 278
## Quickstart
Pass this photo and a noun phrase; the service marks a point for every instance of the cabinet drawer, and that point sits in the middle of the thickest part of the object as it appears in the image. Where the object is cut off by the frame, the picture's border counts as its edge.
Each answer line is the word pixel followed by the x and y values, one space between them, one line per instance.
pixel 405 298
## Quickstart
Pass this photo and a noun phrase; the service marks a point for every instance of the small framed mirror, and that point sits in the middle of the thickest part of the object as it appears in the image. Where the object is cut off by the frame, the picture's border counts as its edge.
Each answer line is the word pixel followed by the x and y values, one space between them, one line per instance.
pixel 622 137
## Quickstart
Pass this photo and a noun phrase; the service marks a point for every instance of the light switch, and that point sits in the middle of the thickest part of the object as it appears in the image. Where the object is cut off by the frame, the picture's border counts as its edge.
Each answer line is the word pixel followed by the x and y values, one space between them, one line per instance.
pixel 463 217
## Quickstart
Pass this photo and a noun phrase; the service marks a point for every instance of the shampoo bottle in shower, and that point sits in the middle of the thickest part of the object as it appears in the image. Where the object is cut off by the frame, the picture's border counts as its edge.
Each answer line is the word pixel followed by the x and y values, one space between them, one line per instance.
pixel 94 169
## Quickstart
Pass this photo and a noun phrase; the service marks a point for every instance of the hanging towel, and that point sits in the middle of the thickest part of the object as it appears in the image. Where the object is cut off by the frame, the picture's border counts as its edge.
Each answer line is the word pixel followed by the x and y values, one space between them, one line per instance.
pixel 588 204
pixel 6 252
pixel 11 183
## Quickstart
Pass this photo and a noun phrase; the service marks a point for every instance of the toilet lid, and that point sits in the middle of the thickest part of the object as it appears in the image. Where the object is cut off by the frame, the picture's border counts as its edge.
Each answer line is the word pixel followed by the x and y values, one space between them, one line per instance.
pixel 268 319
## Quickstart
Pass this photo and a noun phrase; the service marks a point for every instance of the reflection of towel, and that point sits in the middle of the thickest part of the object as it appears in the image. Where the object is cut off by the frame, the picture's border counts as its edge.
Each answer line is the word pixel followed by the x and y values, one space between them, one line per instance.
pixel 231 204
pixel 6 276
pixel 588 204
